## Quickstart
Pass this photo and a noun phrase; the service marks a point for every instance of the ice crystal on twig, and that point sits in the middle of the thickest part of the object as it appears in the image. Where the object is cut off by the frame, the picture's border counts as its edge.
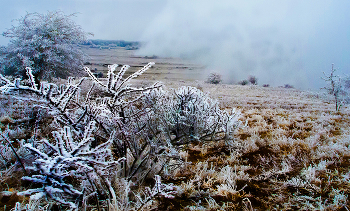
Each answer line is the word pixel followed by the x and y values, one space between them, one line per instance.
pixel 69 158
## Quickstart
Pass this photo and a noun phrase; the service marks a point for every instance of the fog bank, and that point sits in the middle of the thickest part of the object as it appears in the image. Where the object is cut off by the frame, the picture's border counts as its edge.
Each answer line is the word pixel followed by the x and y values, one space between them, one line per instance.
pixel 279 42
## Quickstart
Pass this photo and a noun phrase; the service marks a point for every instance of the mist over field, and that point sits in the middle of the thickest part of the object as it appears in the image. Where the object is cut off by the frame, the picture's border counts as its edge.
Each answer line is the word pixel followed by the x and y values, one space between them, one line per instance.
pixel 279 42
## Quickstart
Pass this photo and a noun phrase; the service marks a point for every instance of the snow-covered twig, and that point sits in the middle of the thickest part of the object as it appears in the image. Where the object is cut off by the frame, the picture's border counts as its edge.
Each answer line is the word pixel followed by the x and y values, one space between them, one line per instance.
pixel 69 158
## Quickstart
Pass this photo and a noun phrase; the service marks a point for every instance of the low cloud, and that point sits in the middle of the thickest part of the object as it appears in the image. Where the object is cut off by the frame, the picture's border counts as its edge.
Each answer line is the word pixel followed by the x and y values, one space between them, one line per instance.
pixel 276 41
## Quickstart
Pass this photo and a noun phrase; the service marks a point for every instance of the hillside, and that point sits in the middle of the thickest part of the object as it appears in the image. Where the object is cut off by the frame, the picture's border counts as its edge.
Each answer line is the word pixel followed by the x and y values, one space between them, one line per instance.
pixel 291 150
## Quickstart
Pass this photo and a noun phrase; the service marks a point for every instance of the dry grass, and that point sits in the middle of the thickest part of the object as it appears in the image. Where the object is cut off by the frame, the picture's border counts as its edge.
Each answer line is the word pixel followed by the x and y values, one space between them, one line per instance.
pixel 291 153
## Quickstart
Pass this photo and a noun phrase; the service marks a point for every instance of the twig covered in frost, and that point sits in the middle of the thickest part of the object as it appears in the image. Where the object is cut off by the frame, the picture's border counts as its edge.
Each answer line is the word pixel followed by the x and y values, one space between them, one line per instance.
pixel 159 190
pixel 69 159
pixel 13 150
pixel 119 87
pixel 57 98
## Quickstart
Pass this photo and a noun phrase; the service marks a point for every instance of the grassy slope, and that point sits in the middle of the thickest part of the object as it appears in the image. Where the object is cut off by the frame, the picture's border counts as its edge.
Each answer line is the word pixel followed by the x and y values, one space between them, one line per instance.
pixel 292 151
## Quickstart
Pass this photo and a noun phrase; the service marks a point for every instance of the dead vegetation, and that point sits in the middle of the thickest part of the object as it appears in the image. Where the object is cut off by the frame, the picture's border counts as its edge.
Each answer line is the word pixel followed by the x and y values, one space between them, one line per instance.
pixel 291 153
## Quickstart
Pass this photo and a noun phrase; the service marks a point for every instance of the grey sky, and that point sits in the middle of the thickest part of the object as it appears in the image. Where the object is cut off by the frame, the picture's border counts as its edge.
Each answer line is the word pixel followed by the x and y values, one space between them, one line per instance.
pixel 279 41
pixel 106 19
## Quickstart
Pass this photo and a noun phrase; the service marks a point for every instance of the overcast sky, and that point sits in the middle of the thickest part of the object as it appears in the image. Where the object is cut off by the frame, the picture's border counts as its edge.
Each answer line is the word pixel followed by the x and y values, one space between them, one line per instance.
pixel 106 19
pixel 278 41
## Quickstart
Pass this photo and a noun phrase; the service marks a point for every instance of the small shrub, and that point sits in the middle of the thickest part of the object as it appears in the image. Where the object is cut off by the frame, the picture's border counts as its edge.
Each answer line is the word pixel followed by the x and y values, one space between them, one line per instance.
pixel 253 80
pixel 100 75
pixel 288 86
pixel 190 115
pixel 266 85
pixel 243 83
pixel 214 78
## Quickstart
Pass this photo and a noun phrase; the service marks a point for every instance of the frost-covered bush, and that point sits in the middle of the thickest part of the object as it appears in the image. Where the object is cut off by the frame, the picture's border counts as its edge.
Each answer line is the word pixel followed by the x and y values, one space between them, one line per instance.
pixel 115 132
pixel 45 42
pixel 69 159
pixel 214 78
pixel 243 83
pixel 253 80
pixel 187 114
pixel 288 86
pixel 122 133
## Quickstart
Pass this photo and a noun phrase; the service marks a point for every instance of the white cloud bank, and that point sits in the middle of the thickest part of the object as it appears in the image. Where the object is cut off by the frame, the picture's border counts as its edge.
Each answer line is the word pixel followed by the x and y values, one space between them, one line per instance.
pixel 278 41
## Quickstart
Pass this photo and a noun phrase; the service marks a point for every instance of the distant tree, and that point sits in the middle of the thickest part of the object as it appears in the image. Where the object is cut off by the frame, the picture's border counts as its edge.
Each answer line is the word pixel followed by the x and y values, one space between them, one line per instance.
pixel 45 42
pixel 336 87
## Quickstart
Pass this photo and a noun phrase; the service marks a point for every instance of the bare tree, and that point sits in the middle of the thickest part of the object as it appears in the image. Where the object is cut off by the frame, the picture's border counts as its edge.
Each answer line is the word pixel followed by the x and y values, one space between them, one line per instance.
pixel 335 87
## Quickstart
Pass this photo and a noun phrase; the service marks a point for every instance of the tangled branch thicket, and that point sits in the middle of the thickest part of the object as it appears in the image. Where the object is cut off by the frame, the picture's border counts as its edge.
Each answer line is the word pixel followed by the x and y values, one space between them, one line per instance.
pixel 108 144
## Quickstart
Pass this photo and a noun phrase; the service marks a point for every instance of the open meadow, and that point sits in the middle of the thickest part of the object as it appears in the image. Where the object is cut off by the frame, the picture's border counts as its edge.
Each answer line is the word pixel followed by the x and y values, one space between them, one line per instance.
pixel 288 150
pixel 166 68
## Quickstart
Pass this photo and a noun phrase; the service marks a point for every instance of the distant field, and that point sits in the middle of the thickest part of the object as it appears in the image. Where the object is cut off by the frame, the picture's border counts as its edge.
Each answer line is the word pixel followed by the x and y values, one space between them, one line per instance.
pixel 165 69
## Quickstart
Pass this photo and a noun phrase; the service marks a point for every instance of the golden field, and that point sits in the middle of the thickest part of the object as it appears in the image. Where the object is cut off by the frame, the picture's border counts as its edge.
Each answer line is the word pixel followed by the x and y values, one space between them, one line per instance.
pixel 290 152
